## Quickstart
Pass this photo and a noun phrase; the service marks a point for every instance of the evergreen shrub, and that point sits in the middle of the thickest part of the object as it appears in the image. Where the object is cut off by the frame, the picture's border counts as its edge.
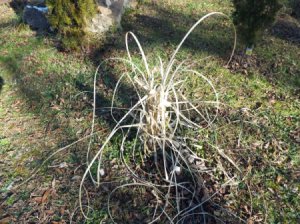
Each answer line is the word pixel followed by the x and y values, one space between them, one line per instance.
pixel 252 17
pixel 69 18
pixel 296 8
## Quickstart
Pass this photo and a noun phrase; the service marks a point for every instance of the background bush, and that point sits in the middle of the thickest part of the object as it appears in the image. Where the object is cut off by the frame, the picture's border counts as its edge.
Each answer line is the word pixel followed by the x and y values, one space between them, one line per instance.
pixel 296 8
pixel 69 18
pixel 252 17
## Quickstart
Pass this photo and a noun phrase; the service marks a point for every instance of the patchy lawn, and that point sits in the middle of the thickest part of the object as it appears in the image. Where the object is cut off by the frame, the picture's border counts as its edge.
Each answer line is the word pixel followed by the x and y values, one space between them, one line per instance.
pixel 46 103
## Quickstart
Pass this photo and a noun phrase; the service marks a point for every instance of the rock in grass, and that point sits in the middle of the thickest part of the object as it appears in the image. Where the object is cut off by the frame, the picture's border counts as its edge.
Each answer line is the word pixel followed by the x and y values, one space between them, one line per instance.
pixel 109 14
pixel 35 17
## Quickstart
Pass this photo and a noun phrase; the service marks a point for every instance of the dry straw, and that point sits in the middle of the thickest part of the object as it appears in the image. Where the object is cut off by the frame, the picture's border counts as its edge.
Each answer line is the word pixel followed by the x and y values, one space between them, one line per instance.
pixel 159 118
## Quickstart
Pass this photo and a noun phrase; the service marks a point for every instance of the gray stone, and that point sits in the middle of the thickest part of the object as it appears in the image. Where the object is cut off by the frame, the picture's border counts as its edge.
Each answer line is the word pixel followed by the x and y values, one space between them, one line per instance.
pixel 35 17
pixel 109 14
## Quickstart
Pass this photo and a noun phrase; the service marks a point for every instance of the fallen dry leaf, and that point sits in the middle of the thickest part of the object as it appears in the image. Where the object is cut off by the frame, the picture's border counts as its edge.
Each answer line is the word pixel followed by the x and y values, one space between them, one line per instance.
pixel 46 195
pixel 5 220
pixel 62 211
pixel 55 107
pixel 279 179
pixel 49 212
pixel 250 221
pixel 38 200
pixel 53 183
pixel 39 72
pixel 54 222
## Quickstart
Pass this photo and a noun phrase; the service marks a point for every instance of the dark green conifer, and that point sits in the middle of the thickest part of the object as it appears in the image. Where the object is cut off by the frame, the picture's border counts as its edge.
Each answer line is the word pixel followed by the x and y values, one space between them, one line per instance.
pixel 296 8
pixel 252 17
pixel 69 18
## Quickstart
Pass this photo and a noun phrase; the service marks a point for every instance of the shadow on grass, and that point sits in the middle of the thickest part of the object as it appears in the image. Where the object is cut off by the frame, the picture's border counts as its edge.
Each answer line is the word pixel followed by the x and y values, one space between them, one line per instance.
pixel 16 64
pixel 164 30
pixel 1 83
pixel 279 59
pixel 214 36
pixel 103 102
pixel 287 29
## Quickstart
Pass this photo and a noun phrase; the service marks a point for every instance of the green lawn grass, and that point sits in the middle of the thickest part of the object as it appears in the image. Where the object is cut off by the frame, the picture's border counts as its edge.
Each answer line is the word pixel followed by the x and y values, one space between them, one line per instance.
pixel 259 126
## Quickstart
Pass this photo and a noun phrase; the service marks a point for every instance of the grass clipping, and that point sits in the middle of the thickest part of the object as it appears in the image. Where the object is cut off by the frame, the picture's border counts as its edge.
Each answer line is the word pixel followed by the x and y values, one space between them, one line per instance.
pixel 159 119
